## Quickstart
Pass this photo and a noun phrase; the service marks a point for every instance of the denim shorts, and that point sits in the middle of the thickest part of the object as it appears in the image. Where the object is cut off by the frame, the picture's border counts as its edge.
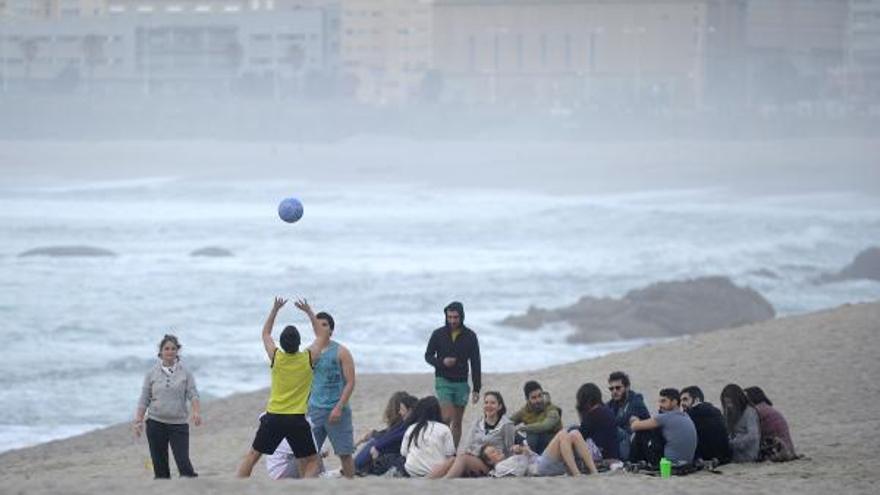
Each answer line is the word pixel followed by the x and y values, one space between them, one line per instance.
pixel 341 433
pixel 546 466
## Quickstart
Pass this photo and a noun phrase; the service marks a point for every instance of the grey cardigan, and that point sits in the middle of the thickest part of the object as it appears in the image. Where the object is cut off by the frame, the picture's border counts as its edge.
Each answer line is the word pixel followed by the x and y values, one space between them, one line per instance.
pixel 745 442
pixel 165 396
pixel 501 437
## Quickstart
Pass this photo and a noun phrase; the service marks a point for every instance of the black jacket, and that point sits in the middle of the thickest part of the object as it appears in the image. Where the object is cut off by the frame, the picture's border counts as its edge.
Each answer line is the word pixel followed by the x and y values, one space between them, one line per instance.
pixel 465 348
pixel 712 438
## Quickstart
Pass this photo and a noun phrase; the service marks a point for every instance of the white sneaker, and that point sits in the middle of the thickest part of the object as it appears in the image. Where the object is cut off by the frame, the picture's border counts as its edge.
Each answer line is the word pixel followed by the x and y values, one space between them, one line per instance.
pixel 332 473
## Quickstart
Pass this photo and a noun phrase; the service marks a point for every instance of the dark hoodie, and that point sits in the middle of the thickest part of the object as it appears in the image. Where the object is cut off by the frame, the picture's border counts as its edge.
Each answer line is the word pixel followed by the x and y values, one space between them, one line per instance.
pixel 712 439
pixel 633 405
pixel 465 348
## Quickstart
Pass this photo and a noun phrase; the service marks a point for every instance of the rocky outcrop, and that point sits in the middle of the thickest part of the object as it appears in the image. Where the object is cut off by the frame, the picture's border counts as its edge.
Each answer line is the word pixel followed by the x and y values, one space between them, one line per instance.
pixel 865 266
pixel 212 252
pixel 68 251
pixel 662 309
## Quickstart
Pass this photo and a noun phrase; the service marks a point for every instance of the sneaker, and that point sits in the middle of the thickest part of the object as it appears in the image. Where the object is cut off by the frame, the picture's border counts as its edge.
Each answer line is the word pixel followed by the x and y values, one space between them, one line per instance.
pixel 391 473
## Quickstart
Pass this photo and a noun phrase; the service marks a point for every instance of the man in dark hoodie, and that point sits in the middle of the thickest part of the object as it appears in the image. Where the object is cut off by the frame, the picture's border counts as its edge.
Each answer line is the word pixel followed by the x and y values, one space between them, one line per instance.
pixel 625 403
pixel 712 439
pixel 449 351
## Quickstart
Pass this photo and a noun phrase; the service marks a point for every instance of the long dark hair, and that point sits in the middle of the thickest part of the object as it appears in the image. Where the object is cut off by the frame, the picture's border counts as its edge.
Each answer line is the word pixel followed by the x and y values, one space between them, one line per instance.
pixel 757 396
pixel 502 409
pixel 427 409
pixel 740 402
pixel 588 395
pixel 391 416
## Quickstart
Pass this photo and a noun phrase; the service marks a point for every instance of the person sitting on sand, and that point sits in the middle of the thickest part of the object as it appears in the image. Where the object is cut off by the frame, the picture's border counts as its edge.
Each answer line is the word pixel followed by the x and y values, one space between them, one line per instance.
pixel 381 449
pixel 492 428
pixel 743 425
pixel 712 440
pixel 559 458
pixel 670 434
pixel 427 443
pixel 538 419
pixel 597 426
pixel 625 403
pixel 776 444
pixel 291 371
pixel 282 464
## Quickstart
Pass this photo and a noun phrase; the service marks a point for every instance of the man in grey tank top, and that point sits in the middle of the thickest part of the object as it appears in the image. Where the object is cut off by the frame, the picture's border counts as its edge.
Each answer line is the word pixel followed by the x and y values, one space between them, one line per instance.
pixel 333 383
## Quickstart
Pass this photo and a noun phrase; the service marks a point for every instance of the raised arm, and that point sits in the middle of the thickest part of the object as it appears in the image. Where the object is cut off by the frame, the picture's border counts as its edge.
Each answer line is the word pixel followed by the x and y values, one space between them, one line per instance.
pixel 268 342
pixel 322 335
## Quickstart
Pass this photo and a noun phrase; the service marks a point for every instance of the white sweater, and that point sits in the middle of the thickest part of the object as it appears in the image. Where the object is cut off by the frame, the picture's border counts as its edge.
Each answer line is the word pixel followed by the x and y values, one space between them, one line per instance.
pixel 435 445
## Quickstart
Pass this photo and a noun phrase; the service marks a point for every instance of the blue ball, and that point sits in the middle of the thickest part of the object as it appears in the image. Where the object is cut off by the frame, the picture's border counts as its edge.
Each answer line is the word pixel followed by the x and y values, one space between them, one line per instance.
pixel 290 210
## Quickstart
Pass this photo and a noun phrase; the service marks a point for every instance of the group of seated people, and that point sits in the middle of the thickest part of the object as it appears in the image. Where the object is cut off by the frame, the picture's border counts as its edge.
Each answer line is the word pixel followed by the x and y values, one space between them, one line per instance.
pixel 687 430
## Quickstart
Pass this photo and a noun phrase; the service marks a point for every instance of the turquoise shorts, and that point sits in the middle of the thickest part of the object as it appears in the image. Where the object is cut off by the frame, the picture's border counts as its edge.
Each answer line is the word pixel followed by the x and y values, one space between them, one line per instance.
pixel 449 392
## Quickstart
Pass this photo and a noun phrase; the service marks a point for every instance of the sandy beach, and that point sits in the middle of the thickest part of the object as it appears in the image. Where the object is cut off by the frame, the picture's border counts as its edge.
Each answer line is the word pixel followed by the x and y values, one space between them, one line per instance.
pixel 821 370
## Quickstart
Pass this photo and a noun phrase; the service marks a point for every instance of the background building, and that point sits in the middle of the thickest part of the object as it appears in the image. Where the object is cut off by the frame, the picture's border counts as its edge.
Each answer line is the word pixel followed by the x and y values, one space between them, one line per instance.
pixel 863 51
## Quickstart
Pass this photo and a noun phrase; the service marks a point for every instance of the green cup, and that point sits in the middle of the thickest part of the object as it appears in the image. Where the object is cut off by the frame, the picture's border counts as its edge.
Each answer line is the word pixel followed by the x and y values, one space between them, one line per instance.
pixel 665 468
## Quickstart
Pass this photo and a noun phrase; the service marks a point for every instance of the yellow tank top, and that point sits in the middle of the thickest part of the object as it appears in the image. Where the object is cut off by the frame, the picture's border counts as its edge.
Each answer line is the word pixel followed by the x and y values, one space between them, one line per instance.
pixel 291 383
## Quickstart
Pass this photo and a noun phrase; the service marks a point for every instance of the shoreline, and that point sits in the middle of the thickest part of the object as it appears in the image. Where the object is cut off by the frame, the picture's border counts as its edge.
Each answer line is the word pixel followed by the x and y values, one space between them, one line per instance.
pixel 769 167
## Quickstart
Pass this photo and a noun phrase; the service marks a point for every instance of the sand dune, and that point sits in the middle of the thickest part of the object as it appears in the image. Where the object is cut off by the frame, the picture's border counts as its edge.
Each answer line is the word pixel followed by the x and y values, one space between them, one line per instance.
pixel 821 370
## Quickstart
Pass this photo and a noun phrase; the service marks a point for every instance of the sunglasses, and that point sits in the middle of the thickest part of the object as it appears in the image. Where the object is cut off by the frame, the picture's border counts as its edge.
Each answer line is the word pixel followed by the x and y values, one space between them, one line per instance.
pixel 616 387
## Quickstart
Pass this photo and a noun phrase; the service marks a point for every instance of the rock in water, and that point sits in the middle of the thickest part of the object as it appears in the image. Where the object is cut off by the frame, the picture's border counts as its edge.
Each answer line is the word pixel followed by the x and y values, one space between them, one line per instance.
pixel 68 251
pixel 212 252
pixel 866 265
pixel 663 309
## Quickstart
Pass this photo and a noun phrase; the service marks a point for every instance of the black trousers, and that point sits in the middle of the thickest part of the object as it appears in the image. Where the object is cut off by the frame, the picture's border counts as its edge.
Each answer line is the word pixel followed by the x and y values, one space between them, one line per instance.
pixel 647 446
pixel 159 435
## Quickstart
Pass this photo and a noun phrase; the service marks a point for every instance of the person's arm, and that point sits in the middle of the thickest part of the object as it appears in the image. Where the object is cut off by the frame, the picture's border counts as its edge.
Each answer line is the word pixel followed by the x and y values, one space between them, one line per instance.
pixel 322 336
pixel 517 416
pixel 476 371
pixel 192 394
pixel 268 342
pixel 390 437
pixel 431 352
pixel 636 424
pixel 548 425
pixel 347 363
pixel 143 403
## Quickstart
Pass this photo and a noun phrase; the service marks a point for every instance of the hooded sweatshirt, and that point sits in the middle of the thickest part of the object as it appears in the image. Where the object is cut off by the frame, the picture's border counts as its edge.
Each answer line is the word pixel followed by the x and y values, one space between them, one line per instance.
pixel 465 348
pixel 633 405
pixel 547 420
pixel 712 440
pixel 745 441
pixel 501 436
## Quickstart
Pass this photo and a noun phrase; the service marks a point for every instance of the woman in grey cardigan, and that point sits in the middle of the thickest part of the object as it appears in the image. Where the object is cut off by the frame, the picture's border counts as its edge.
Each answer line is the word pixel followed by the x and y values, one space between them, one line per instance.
pixel 492 428
pixel 166 390
pixel 743 425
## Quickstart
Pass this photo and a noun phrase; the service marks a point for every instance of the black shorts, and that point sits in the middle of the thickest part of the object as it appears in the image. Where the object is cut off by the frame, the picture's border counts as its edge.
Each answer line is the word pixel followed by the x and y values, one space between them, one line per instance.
pixel 276 427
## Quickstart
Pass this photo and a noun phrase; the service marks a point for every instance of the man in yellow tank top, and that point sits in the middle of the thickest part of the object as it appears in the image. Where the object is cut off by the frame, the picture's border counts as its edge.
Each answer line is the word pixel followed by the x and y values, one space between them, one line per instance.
pixel 292 375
